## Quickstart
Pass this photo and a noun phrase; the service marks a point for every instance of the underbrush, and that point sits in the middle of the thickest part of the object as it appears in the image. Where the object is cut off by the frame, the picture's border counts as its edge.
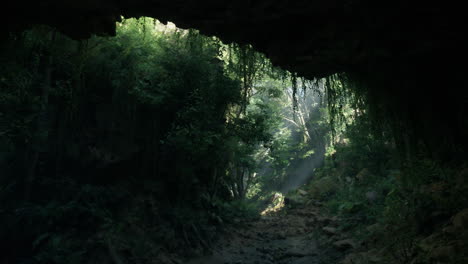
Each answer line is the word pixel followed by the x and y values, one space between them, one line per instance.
pixel 85 223
pixel 237 210
pixel 397 213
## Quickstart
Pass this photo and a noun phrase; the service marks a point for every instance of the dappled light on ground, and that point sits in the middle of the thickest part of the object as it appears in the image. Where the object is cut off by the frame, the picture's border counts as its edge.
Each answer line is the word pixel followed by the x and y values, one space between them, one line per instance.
pixel 277 203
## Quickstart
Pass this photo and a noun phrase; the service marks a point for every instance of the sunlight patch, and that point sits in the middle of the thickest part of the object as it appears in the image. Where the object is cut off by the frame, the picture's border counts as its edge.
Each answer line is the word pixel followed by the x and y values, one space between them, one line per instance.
pixel 277 203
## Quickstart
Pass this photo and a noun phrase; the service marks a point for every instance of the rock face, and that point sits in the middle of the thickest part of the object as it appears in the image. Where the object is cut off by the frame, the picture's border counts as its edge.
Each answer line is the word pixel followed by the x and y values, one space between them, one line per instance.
pixel 314 38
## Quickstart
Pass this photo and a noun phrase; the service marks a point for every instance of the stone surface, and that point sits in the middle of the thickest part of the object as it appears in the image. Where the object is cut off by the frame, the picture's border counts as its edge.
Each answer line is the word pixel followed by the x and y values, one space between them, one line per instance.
pixel 443 253
pixel 305 260
pixel 450 230
pixel 345 244
pixel 462 178
pixel 372 196
pixel 460 220
pixel 373 228
pixel 324 220
pixel 330 230
pixel 362 257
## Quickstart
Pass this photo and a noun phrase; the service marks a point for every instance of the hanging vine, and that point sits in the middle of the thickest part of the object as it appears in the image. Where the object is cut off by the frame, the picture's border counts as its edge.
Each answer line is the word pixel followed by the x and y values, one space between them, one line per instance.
pixel 246 65
pixel 294 91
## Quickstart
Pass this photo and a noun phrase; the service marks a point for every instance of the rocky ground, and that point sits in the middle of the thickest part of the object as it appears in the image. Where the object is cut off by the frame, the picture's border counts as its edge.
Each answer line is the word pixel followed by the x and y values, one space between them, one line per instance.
pixel 301 232
pixel 289 235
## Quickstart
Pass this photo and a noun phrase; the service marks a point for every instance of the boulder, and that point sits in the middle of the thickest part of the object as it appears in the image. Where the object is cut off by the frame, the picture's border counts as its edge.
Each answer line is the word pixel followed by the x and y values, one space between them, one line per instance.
pixel 374 228
pixel 330 230
pixel 304 260
pixel 310 223
pixel 461 178
pixel 293 201
pixel 372 196
pixel 308 214
pixel 324 220
pixel 368 257
pixel 352 258
pixel 327 221
pixel 345 244
pixel 443 253
pixel 317 203
pixel 460 220
pixel 450 230
pixel 429 243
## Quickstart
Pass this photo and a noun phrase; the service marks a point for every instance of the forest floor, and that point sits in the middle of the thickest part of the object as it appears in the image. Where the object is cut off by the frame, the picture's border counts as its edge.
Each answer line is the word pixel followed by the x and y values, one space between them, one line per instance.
pixel 289 235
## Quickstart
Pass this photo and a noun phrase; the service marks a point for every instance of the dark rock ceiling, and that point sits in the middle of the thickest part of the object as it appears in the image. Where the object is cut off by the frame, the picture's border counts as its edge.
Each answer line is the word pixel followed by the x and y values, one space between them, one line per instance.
pixel 313 38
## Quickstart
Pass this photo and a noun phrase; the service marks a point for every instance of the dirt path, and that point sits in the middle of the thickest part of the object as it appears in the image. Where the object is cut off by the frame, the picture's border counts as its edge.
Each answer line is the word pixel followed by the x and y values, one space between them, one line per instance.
pixel 284 237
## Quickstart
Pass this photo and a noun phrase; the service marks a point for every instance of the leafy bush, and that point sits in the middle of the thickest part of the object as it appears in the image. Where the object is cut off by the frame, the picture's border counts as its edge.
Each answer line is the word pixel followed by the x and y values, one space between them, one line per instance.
pixel 324 187
pixel 237 210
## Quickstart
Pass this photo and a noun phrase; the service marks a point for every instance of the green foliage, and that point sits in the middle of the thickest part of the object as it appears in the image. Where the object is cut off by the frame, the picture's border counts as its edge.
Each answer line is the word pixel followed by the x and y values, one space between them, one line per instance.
pixel 382 199
pixel 357 176
pixel 237 210
pixel 134 146
pixel 299 140
pixel 91 129
pixel 323 187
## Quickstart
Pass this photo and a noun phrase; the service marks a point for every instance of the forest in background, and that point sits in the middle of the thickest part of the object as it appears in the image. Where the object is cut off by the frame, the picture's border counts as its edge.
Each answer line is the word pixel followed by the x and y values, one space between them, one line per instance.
pixel 151 142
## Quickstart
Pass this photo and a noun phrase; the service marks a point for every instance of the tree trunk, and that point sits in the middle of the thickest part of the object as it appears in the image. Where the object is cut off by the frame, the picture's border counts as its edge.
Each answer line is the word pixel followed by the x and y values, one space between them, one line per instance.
pixel 40 141
pixel 214 187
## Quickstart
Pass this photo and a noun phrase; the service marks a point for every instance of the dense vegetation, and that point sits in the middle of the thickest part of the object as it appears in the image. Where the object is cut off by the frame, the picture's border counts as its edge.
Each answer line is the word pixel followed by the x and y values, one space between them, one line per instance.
pixel 399 202
pixel 158 131
pixel 148 144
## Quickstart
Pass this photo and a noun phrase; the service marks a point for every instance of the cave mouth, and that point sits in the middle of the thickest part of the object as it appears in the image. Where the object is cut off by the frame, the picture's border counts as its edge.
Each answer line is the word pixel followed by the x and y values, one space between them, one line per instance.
pixel 403 57
pixel 93 171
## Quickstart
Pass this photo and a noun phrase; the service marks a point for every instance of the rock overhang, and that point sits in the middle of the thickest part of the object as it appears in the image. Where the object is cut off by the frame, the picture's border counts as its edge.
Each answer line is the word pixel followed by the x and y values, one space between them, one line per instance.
pixel 313 38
